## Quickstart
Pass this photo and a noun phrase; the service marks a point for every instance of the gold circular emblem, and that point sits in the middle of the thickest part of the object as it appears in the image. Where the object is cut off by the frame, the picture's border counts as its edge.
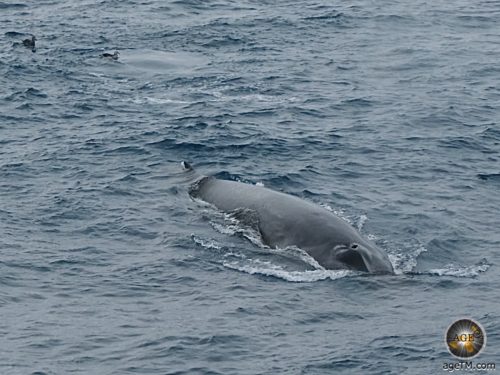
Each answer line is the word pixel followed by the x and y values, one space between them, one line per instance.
pixel 465 338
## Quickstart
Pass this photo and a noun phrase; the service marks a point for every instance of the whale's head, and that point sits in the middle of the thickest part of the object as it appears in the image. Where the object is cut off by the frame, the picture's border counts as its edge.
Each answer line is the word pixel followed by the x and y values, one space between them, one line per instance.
pixel 363 256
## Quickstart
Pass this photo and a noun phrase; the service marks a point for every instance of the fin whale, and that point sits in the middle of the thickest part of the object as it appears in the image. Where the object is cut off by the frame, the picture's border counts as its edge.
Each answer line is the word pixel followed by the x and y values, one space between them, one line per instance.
pixel 286 220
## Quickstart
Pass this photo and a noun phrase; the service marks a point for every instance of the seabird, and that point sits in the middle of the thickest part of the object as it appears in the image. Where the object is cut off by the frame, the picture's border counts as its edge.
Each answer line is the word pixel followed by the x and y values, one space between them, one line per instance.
pixel 30 43
pixel 113 56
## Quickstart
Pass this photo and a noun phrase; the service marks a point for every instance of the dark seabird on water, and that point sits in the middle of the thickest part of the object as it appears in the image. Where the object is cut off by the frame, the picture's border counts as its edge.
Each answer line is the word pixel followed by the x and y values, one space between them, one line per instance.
pixel 113 56
pixel 30 43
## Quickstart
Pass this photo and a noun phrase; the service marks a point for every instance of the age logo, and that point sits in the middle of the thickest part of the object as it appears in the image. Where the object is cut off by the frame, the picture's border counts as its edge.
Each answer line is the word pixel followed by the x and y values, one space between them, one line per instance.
pixel 465 338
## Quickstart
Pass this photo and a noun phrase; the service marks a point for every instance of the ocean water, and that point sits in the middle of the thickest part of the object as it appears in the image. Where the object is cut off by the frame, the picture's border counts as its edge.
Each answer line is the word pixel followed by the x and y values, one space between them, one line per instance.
pixel 385 112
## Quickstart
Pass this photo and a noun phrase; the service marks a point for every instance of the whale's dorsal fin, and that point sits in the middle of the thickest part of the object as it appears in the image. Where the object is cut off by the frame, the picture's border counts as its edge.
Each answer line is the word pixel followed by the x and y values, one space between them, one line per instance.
pixel 191 174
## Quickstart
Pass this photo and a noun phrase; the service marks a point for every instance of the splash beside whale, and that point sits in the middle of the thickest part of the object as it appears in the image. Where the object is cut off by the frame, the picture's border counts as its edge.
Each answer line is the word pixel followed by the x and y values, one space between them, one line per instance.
pixel 285 220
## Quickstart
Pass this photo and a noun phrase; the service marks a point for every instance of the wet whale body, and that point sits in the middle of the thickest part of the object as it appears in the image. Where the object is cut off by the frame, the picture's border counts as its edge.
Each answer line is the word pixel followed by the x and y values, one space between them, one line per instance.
pixel 285 220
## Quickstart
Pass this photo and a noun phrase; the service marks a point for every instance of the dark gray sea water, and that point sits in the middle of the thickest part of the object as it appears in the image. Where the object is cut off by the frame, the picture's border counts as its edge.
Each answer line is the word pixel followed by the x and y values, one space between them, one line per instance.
pixel 386 112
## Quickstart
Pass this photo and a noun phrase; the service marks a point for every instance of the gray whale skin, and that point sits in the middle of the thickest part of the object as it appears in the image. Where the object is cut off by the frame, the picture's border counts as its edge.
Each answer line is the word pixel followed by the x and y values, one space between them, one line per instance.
pixel 285 220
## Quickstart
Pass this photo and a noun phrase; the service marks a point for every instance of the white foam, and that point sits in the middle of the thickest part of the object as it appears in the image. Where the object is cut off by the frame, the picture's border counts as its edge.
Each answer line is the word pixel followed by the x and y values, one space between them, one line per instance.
pixel 362 220
pixel 201 202
pixel 327 207
pixel 224 228
pixel 220 95
pixel 232 226
pixel 294 252
pixel 207 244
pixel 153 100
pixel 232 254
pixel 405 262
pixel 269 269
pixel 338 212
pixel 459 271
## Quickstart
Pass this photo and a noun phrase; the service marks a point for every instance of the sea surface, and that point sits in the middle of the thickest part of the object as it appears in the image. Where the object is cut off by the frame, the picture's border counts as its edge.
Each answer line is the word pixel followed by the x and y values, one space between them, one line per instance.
pixel 385 112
